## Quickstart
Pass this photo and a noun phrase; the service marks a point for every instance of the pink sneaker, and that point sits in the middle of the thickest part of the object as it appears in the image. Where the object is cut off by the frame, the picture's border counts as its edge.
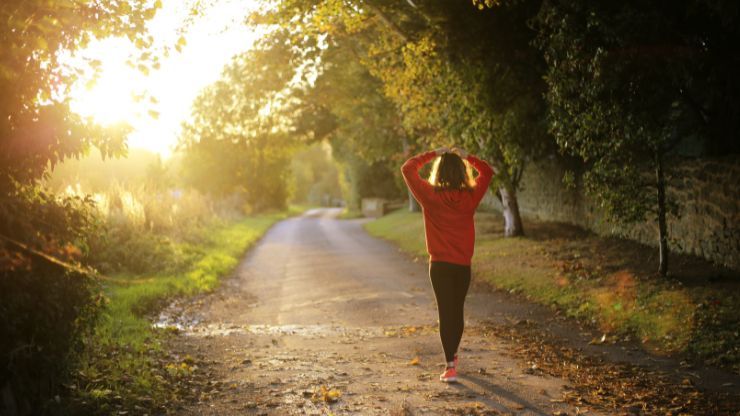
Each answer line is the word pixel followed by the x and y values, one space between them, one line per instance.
pixel 449 376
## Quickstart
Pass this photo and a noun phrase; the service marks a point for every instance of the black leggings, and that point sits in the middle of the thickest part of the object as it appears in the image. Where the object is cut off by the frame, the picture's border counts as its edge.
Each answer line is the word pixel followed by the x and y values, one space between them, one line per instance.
pixel 450 283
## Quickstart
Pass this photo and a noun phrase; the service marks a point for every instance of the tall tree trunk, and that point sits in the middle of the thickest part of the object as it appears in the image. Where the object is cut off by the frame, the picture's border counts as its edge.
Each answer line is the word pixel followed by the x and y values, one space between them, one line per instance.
pixel 512 219
pixel 662 224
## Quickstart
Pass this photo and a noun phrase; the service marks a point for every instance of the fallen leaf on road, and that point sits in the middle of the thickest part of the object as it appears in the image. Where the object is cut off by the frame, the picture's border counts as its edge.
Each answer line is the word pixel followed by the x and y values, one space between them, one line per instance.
pixel 415 361
pixel 327 395
pixel 598 341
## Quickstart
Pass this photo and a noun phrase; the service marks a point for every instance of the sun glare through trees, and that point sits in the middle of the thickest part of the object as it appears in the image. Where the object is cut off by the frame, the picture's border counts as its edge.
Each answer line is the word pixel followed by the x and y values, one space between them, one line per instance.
pixel 152 89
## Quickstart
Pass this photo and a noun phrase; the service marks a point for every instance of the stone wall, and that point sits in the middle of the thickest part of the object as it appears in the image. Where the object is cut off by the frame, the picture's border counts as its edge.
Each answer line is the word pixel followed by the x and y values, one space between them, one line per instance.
pixel 708 192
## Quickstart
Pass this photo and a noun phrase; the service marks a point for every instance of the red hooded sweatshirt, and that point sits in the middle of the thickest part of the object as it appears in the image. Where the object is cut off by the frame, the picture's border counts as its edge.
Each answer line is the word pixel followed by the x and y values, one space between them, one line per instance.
pixel 448 215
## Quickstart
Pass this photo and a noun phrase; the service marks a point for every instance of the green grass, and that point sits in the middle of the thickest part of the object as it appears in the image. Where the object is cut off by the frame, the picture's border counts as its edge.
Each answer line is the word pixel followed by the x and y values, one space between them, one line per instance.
pixel 403 228
pixel 124 320
pixel 124 365
pixel 665 315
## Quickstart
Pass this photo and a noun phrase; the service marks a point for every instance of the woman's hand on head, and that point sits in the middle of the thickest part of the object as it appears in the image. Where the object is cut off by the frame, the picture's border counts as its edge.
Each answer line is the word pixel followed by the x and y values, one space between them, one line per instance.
pixel 460 152
pixel 441 150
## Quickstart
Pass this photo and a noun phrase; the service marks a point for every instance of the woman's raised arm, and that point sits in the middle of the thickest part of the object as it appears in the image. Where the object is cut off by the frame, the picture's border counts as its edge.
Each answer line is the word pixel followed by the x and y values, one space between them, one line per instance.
pixel 410 170
pixel 485 174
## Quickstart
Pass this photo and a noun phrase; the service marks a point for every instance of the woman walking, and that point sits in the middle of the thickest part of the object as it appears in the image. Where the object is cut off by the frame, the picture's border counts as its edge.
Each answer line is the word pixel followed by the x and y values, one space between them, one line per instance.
pixel 448 201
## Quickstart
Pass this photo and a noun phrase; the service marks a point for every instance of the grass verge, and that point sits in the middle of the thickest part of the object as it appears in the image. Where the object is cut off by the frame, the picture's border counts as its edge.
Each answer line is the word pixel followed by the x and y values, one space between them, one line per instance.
pixel 606 282
pixel 124 367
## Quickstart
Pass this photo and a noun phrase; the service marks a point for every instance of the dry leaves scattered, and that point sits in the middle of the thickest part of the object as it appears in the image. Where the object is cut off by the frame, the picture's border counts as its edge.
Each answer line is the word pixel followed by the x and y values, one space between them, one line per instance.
pixel 599 384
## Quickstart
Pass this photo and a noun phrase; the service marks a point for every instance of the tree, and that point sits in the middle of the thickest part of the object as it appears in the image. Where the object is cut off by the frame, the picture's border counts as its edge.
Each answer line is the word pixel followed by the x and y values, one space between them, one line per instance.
pixel 239 129
pixel 37 128
pixel 365 131
pixel 627 82
pixel 316 176
pixel 335 98
pixel 47 306
pixel 461 80
pixel 454 74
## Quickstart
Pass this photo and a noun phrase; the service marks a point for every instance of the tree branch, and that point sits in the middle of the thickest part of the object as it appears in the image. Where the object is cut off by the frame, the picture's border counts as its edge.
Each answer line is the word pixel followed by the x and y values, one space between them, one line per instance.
pixel 61 263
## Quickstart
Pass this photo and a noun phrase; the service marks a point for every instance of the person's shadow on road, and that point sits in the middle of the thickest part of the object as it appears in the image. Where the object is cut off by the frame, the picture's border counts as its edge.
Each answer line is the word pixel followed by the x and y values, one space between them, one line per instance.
pixel 492 389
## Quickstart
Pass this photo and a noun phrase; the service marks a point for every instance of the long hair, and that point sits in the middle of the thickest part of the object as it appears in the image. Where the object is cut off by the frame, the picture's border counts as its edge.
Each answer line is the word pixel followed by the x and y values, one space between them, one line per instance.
pixel 451 172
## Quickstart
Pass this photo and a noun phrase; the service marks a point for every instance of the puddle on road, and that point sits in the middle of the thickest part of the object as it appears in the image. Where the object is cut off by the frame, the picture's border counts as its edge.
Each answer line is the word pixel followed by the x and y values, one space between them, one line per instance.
pixel 181 320
pixel 194 328
pixel 313 330
pixel 310 331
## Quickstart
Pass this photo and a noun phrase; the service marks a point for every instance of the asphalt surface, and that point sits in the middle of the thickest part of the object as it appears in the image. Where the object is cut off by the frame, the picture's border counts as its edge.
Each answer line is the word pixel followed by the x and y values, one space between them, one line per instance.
pixel 321 318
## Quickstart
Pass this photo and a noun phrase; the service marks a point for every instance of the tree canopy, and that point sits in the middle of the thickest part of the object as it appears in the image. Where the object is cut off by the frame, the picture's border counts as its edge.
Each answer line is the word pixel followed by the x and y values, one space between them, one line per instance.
pixel 621 87
pixel 37 128
pixel 239 140
pixel 452 74
pixel 47 306
pixel 628 83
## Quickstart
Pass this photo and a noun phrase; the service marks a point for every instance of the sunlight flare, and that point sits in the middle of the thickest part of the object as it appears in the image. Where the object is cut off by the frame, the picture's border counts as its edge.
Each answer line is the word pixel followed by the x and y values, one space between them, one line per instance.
pixel 192 43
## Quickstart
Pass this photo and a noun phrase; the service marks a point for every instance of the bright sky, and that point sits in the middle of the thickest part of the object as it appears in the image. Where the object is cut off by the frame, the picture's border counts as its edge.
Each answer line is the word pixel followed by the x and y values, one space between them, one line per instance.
pixel 212 38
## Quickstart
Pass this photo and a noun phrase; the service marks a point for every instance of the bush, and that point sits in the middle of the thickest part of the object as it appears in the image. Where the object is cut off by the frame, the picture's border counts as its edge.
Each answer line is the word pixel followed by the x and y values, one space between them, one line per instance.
pixel 124 249
pixel 45 309
pixel 142 229
pixel 46 313
pixel 48 309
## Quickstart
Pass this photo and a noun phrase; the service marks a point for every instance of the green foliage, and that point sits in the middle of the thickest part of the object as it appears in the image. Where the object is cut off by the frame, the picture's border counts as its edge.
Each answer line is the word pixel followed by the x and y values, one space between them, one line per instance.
pixel 45 309
pixel 345 104
pixel 366 124
pixel 126 249
pixel 238 132
pixel 628 81
pixel 449 74
pixel 470 78
pixel 36 126
pixel 596 116
pixel 316 177
pixel 370 180
pixel 124 367
pixel 59 221
pixel 46 312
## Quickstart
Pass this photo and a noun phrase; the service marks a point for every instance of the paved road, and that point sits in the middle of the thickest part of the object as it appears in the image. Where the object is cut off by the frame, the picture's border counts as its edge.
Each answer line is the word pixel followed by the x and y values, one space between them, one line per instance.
pixel 321 318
